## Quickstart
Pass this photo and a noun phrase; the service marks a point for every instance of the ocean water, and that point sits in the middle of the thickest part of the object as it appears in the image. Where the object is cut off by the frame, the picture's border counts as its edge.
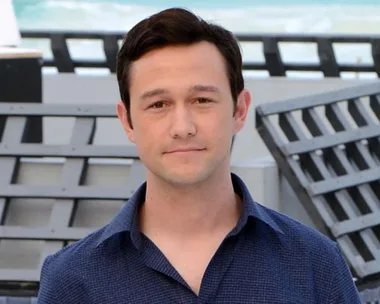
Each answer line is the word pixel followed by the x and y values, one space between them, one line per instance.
pixel 305 16
pixel 243 16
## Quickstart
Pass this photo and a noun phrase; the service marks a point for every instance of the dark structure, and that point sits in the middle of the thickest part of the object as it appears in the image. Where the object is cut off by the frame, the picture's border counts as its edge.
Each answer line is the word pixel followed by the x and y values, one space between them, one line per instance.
pixel 20 71
pixel 273 63
pixel 328 148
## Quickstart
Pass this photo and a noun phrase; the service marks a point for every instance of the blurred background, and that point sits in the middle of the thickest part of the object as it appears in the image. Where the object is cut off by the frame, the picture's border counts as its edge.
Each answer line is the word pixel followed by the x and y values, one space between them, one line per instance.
pixel 239 16
pixel 291 16
pixel 292 52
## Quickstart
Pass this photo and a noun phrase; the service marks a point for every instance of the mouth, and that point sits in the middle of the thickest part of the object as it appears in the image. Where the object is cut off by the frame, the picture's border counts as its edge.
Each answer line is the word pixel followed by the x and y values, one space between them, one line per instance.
pixel 185 150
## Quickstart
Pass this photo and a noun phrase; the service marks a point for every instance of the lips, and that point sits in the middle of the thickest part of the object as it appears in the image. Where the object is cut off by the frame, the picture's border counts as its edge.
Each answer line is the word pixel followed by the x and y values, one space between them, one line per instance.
pixel 184 150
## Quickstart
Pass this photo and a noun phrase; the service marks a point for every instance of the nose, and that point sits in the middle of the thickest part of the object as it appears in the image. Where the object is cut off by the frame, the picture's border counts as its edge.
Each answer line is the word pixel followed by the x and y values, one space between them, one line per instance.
pixel 182 124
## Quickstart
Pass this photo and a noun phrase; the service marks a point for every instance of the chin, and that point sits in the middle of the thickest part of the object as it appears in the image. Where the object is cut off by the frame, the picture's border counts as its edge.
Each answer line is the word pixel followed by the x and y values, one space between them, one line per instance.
pixel 185 178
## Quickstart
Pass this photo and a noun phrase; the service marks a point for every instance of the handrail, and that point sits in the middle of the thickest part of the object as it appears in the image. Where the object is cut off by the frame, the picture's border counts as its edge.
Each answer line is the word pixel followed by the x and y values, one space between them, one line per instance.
pixel 273 61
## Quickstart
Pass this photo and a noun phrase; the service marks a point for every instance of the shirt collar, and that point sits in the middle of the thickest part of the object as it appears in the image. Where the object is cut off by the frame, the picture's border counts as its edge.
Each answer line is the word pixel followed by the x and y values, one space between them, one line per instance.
pixel 251 209
pixel 127 218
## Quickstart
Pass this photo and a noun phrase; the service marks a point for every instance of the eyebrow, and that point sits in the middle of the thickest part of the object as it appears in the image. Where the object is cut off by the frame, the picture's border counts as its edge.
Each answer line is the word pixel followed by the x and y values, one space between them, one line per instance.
pixel 153 93
pixel 204 88
pixel 193 89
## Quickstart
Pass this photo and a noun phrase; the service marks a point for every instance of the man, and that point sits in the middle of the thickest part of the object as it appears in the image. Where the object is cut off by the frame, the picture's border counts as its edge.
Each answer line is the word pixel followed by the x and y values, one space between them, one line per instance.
pixel 192 233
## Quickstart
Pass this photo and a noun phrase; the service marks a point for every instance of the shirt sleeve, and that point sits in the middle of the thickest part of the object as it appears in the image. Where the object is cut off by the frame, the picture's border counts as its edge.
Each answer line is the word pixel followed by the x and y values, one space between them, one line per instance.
pixel 47 291
pixel 58 283
pixel 343 289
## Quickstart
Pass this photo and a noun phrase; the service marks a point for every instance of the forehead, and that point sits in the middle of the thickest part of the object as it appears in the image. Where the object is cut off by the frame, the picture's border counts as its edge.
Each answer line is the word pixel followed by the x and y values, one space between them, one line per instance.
pixel 185 64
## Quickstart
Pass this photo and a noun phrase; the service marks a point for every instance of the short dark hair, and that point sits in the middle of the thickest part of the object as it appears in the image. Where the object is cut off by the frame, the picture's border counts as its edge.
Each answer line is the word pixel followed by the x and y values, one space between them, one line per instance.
pixel 176 26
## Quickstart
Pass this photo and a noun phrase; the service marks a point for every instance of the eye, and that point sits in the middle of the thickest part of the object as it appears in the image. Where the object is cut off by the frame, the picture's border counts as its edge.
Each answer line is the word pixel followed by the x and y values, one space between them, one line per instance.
pixel 157 105
pixel 203 100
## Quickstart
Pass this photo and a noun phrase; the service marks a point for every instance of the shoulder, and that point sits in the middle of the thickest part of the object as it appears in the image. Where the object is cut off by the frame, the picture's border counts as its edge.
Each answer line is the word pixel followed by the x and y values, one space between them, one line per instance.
pixel 295 231
pixel 318 255
pixel 65 272
pixel 76 253
pixel 302 240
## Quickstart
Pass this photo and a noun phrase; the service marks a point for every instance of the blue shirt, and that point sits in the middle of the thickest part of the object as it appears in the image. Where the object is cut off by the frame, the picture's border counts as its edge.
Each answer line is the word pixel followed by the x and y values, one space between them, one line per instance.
pixel 267 258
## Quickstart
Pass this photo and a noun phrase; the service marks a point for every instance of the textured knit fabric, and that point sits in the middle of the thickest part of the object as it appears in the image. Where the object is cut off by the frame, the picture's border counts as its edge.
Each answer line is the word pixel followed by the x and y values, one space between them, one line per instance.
pixel 267 258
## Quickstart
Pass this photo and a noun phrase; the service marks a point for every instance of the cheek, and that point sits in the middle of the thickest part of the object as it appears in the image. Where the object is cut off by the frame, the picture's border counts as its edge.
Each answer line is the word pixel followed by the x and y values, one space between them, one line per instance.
pixel 147 138
pixel 145 149
pixel 143 137
pixel 218 128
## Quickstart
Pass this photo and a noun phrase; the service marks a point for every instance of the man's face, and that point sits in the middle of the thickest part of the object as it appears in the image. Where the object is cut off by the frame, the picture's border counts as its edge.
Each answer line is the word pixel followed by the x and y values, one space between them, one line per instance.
pixel 182 113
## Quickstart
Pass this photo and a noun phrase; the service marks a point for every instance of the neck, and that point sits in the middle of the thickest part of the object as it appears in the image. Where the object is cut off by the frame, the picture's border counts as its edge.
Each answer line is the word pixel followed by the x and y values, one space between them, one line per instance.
pixel 208 208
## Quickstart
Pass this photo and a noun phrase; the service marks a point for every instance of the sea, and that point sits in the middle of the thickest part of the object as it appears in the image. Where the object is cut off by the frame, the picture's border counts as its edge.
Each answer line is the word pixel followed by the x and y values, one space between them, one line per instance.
pixel 240 16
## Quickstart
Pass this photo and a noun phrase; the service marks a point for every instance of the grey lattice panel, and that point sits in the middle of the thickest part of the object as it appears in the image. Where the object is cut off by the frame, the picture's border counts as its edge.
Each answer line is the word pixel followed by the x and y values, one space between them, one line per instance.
pixel 18 300
pixel 53 195
pixel 327 146
pixel 371 296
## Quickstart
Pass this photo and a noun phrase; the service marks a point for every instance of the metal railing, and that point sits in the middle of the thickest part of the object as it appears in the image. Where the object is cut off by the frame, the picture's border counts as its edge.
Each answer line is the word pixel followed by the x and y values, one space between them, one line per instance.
pixel 72 188
pixel 61 201
pixel 273 61
pixel 328 147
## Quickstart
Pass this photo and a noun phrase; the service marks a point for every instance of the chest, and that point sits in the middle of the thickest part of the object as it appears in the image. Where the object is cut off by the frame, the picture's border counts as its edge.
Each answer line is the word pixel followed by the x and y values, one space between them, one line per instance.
pixel 147 286
pixel 191 260
pixel 232 274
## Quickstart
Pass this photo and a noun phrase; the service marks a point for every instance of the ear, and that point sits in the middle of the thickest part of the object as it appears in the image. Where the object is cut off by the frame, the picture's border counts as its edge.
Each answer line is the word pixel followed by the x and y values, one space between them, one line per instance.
pixel 123 117
pixel 241 111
